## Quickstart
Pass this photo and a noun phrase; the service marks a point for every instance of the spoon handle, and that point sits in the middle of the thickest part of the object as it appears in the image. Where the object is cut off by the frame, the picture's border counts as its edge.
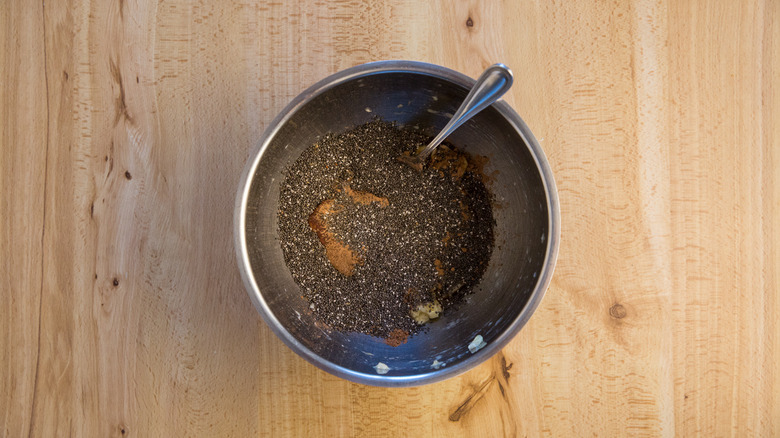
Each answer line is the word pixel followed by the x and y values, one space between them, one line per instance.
pixel 491 85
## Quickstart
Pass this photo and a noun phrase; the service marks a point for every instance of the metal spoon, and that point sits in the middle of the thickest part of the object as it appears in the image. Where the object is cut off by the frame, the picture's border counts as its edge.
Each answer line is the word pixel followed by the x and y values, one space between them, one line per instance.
pixel 491 85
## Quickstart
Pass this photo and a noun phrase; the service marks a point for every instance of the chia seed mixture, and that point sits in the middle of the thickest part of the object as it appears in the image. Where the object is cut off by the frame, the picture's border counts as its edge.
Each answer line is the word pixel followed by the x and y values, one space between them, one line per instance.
pixel 370 240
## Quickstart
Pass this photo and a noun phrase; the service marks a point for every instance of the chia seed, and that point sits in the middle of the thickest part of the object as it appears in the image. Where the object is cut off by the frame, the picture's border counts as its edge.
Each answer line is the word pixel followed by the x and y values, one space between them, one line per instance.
pixel 432 241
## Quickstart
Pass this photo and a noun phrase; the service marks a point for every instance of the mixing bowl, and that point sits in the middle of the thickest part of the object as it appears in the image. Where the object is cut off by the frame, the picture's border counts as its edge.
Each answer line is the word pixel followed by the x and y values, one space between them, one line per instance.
pixel 526 213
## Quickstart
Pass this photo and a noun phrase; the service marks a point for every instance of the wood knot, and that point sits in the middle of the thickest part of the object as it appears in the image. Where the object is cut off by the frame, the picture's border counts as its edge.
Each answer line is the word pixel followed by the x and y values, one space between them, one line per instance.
pixel 617 311
pixel 128 175
pixel 116 282
pixel 469 22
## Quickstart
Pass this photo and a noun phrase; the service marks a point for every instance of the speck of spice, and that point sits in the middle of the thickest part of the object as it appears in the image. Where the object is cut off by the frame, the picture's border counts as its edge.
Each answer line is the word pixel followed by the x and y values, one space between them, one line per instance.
pixel 477 344
pixel 381 368
pixel 402 231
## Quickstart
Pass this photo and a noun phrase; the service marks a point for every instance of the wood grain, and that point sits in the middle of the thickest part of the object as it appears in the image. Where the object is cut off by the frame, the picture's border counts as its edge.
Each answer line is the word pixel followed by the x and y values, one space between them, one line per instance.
pixel 124 126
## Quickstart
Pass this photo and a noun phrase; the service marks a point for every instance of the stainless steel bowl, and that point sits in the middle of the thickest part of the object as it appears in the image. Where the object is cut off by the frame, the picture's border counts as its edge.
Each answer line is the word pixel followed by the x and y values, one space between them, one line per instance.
pixel 527 222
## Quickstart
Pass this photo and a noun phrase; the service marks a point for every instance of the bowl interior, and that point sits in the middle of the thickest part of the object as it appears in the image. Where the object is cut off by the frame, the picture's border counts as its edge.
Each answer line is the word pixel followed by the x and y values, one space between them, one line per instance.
pixel 521 231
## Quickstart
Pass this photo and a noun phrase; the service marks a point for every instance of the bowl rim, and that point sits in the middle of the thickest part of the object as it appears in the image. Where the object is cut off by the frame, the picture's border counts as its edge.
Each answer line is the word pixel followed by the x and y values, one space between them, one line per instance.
pixel 242 253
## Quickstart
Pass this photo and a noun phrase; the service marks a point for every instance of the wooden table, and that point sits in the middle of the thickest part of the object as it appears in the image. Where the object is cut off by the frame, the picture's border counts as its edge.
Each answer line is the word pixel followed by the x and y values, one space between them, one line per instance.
pixel 125 126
